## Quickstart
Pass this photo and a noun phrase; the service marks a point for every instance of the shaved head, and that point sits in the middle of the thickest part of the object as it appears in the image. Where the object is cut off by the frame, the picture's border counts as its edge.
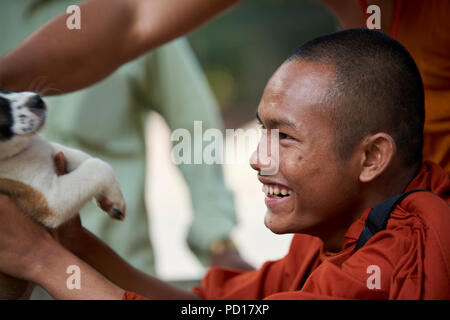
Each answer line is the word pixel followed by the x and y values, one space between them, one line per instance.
pixel 377 88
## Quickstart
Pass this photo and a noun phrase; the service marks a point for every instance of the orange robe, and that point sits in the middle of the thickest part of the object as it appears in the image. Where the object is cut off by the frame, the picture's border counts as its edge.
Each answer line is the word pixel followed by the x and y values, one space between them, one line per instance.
pixel 412 253
pixel 423 27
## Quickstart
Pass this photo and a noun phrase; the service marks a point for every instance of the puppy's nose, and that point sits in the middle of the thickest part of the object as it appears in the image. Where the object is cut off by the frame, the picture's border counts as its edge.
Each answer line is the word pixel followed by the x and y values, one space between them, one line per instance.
pixel 36 102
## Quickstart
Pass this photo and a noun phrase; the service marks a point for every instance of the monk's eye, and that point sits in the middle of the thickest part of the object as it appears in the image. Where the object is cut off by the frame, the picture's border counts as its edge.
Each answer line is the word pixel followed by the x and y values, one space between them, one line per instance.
pixel 284 136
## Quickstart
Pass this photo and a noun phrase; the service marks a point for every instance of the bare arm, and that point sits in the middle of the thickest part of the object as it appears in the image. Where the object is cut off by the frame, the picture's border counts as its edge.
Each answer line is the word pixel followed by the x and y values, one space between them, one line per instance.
pixel 112 33
pixel 51 274
pixel 28 251
pixel 103 259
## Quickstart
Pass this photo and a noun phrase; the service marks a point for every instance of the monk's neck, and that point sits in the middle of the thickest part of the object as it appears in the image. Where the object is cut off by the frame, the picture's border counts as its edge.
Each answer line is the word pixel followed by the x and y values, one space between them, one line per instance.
pixel 389 186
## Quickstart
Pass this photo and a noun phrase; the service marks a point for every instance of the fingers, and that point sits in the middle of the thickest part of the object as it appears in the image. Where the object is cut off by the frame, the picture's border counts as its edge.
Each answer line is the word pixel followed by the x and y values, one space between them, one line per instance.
pixel 60 163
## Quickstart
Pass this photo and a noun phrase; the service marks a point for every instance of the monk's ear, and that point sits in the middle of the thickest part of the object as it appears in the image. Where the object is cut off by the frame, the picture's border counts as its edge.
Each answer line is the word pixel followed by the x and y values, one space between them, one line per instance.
pixel 377 153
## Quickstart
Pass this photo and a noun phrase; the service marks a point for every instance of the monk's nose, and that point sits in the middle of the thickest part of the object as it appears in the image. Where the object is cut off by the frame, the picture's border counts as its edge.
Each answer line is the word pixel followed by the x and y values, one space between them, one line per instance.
pixel 260 160
pixel 254 161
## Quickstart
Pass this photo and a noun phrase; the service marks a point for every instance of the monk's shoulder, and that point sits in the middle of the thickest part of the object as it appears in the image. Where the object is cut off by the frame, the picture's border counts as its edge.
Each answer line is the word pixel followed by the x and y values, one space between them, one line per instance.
pixel 423 209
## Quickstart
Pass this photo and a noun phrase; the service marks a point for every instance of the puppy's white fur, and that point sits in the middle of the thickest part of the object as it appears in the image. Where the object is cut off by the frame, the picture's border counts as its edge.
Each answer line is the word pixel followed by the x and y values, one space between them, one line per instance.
pixel 31 162
pixel 28 158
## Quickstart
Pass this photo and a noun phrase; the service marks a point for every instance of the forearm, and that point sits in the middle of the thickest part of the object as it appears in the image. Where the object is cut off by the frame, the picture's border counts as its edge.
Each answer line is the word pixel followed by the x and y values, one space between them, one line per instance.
pixel 50 267
pixel 102 258
pixel 112 33
pixel 64 60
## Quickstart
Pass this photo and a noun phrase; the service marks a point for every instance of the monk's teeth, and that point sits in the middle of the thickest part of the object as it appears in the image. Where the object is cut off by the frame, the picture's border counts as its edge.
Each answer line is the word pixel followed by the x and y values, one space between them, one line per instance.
pixel 275 191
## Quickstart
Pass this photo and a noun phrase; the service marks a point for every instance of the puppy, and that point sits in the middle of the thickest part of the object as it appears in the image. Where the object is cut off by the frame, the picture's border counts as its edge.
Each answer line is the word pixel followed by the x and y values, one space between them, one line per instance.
pixel 27 173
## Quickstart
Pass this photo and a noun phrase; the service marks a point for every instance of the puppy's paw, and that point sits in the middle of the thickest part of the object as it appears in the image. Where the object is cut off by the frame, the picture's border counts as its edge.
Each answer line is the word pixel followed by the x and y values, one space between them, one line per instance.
pixel 115 211
pixel 116 214
pixel 112 202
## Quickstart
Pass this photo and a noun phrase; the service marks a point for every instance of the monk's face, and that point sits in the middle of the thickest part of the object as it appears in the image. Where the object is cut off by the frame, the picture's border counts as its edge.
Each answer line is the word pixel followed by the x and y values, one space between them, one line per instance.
pixel 315 187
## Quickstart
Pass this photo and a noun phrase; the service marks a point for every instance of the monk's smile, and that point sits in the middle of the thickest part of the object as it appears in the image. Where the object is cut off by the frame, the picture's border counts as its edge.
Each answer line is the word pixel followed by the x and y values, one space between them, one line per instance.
pixel 276 193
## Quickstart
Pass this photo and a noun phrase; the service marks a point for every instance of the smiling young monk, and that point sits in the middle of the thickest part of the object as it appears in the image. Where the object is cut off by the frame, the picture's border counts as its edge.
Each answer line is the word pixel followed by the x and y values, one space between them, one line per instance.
pixel 349 109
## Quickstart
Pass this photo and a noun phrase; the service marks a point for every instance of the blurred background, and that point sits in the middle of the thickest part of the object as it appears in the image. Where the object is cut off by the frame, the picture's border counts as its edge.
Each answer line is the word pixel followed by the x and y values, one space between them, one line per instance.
pixel 241 49
pixel 238 52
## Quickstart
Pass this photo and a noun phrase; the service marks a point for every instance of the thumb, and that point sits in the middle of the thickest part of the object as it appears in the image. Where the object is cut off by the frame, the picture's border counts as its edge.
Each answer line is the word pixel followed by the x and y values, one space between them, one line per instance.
pixel 60 163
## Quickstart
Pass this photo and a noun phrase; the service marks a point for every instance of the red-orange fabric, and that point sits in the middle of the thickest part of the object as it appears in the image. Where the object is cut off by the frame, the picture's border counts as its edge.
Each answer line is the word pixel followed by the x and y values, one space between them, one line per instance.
pixel 128 295
pixel 413 255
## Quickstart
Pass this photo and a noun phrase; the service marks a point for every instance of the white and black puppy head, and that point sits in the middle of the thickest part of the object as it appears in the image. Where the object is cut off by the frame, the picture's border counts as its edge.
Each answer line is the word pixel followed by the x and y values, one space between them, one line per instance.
pixel 21 114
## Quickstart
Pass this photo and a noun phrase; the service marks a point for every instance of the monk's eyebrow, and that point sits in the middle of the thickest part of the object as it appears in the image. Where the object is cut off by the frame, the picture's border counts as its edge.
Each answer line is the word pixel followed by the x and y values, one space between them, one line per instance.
pixel 278 122
pixel 281 122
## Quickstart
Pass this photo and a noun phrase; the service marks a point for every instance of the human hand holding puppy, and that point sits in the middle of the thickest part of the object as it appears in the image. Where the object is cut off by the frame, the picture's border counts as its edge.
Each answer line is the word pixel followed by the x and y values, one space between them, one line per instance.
pixel 28 251
pixel 22 240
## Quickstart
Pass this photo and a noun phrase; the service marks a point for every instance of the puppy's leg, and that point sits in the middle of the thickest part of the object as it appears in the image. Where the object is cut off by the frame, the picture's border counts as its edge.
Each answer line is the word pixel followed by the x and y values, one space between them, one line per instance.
pixel 89 177
pixel 93 178
pixel 74 157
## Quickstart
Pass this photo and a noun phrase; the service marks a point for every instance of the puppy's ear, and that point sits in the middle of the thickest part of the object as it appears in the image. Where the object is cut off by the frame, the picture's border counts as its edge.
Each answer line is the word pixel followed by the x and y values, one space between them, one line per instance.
pixel 4 91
